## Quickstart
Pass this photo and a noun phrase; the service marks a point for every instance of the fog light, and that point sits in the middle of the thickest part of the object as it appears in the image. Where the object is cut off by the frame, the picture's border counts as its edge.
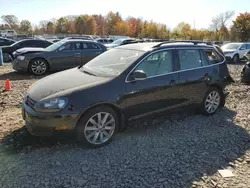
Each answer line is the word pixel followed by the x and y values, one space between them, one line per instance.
pixel 60 128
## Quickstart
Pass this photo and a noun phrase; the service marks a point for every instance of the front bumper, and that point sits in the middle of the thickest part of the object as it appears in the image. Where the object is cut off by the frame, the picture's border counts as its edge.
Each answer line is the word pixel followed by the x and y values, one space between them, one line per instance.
pixel 44 124
pixel 20 65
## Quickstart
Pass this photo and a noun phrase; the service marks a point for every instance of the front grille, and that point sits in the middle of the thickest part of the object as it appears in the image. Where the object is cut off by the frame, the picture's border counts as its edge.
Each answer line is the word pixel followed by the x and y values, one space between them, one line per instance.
pixel 31 103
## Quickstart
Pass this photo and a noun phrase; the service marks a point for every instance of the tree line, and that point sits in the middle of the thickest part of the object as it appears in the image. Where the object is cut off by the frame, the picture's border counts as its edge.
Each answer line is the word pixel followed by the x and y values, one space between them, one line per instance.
pixel 113 24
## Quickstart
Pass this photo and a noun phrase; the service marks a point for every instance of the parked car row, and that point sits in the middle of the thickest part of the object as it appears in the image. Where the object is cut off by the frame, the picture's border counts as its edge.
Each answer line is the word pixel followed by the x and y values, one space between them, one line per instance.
pixel 126 83
pixel 235 51
pixel 61 55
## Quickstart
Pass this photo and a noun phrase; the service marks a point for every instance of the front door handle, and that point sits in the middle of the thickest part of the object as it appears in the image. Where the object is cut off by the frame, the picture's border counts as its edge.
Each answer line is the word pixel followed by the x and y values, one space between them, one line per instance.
pixel 77 53
pixel 172 83
pixel 98 52
pixel 206 78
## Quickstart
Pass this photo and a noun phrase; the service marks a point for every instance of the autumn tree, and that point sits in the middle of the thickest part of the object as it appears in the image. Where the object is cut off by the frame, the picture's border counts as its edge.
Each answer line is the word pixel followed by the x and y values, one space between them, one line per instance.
pixel 100 25
pixel 132 26
pixel 182 31
pixel 11 21
pixel 90 26
pixel 62 25
pixel 111 20
pixel 50 27
pixel 139 26
pixel 242 25
pixel 121 28
pixel 25 26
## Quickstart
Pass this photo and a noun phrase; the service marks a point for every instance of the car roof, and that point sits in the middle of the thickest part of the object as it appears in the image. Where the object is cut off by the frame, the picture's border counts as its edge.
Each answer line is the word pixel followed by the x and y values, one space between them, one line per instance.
pixel 149 46
pixel 78 40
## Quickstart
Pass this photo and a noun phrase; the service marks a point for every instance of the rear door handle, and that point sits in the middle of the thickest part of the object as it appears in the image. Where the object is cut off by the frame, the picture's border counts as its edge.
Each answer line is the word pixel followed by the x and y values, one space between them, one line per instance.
pixel 77 53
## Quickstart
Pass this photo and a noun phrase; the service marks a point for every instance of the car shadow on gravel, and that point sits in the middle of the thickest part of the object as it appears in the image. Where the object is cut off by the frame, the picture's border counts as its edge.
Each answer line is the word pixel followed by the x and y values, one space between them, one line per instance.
pixel 13 75
pixel 170 151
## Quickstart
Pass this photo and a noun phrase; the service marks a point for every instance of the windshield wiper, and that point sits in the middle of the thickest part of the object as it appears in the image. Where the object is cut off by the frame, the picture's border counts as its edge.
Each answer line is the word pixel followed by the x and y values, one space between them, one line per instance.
pixel 89 73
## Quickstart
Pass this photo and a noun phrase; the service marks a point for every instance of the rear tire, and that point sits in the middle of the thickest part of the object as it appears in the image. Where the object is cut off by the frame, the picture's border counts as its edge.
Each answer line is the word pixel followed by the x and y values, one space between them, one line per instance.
pixel 97 127
pixel 213 100
pixel 38 66
pixel 236 58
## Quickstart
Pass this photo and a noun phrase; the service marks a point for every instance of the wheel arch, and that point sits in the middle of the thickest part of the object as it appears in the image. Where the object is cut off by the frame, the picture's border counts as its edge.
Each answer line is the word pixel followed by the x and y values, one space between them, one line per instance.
pixel 38 58
pixel 114 107
pixel 217 86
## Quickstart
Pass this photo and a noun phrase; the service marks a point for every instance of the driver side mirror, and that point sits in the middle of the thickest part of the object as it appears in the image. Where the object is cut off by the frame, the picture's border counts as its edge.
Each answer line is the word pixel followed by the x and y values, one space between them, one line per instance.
pixel 139 75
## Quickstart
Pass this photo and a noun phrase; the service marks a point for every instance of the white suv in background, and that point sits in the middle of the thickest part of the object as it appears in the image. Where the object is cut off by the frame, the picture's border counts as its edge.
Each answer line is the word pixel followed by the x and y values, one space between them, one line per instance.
pixel 235 51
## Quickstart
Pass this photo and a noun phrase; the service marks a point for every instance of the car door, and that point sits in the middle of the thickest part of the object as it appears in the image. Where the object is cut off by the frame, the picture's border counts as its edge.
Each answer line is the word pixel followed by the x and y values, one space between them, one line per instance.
pixel 195 72
pixel 64 57
pixel 159 91
pixel 90 50
pixel 243 50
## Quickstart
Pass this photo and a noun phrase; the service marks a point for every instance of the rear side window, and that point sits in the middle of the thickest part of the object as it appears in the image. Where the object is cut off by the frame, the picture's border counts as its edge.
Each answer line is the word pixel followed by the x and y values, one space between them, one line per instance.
pixel 248 46
pixel 211 56
pixel 90 46
pixel 189 59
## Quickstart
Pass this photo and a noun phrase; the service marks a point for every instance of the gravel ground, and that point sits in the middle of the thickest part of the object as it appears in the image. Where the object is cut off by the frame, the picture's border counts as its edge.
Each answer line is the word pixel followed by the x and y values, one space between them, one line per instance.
pixel 179 150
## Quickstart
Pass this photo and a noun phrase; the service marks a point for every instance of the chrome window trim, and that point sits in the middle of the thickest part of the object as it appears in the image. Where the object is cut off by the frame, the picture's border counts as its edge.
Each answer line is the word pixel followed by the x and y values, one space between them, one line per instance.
pixel 181 48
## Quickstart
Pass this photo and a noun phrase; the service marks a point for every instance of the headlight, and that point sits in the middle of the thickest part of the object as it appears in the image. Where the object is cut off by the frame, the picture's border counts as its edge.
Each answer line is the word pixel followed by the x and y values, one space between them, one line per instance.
pixel 51 105
pixel 21 57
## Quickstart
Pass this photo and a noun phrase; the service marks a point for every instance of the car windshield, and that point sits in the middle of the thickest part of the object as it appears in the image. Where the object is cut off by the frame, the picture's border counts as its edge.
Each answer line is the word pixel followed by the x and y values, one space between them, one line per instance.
pixel 112 62
pixel 231 46
pixel 55 46
pixel 119 41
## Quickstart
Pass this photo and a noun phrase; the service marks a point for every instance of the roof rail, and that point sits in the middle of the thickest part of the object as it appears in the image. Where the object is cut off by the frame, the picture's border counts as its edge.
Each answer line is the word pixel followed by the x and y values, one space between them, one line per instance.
pixel 195 42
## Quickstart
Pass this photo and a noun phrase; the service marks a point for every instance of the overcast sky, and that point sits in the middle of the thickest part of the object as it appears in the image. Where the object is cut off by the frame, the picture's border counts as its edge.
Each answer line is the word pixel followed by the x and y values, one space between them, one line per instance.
pixel 170 12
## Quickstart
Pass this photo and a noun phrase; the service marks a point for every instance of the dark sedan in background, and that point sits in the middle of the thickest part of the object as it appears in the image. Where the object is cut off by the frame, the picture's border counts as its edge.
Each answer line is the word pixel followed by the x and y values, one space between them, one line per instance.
pixel 61 55
pixel 8 50
pixel 6 42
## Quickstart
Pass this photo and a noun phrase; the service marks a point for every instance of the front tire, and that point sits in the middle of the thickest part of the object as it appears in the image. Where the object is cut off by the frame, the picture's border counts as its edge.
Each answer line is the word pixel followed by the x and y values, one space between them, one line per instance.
pixel 38 66
pixel 236 58
pixel 212 102
pixel 97 127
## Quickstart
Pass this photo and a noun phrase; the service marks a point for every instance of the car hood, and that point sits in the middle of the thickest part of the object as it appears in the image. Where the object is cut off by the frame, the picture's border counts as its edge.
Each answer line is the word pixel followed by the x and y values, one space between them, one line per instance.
pixel 228 51
pixel 63 83
pixel 30 50
pixel 111 45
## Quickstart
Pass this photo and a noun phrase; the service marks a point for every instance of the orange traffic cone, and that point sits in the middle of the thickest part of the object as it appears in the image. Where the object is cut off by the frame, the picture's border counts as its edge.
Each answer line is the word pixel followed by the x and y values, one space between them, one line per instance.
pixel 7 85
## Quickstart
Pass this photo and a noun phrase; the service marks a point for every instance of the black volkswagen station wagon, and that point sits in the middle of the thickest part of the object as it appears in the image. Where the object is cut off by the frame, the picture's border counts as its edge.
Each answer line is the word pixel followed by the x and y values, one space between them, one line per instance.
pixel 125 83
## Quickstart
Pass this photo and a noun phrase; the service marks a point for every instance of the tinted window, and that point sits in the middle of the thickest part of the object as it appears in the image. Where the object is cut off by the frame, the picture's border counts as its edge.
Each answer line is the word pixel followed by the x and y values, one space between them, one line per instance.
pixel 157 63
pixel 25 44
pixel 66 47
pixel 244 46
pixel 189 59
pixel 211 56
pixel 248 46
pixel 43 44
pixel 78 46
pixel 90 46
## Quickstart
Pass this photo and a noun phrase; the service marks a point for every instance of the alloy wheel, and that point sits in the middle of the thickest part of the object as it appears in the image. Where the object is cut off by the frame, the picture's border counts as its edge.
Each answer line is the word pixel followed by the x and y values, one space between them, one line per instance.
pixel 212 102
pixel 99 128
pixel 38 67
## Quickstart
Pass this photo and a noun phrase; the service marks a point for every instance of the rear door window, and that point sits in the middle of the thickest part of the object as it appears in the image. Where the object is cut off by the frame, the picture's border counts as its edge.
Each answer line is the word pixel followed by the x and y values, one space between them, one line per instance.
pixel 248 46
pixel 90 46
pixel 189 59
pixel 210 56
